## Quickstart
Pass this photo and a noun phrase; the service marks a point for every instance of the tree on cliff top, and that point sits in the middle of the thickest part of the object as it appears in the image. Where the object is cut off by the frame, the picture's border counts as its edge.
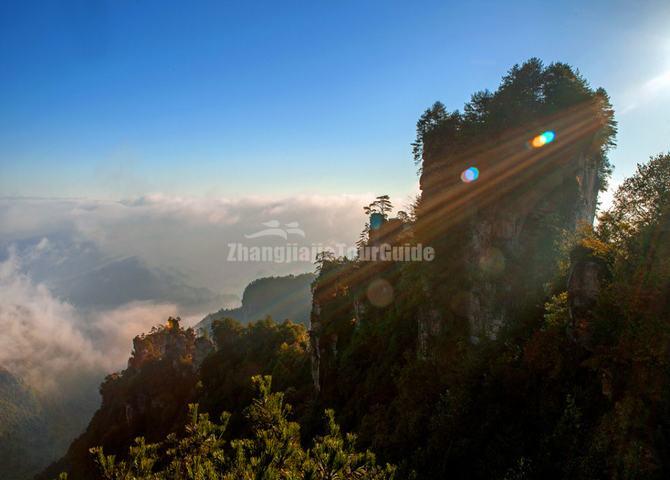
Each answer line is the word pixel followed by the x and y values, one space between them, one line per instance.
pixel 528 93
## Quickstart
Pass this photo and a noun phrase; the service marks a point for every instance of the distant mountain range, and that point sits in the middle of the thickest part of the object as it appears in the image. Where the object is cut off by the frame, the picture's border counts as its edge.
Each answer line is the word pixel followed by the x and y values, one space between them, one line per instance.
pixel 24 436
pixel 81 274
pixel 130 279
pixel 281 298
pixel 35 430
pixel 31 431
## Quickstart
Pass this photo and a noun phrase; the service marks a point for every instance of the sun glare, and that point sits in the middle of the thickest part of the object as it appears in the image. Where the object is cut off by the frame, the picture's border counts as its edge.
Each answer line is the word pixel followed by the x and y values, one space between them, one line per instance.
pixel 659 83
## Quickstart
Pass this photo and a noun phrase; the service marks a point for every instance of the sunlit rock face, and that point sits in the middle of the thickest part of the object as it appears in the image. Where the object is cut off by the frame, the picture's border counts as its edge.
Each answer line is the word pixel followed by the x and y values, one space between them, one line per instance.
pixel 497 232
pixel 504 185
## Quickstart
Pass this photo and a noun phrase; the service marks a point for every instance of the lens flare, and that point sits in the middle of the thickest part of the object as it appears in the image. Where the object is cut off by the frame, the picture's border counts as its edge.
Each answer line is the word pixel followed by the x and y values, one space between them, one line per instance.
pixel 542 139
pixel 380 293
pixel 470 175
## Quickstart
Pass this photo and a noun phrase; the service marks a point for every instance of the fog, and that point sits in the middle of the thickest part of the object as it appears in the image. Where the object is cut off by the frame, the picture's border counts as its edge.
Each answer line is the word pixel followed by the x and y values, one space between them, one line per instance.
pixel 80 278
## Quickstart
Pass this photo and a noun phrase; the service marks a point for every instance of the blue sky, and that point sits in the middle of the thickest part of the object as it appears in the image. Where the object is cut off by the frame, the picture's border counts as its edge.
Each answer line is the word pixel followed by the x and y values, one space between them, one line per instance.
pixel 117 99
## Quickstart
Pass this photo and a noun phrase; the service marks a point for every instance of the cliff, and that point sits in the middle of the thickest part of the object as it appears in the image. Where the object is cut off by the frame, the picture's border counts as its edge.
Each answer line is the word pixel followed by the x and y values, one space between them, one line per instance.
pixel 499 235
pixel 281 298
pixel 505 185
pixel 146 399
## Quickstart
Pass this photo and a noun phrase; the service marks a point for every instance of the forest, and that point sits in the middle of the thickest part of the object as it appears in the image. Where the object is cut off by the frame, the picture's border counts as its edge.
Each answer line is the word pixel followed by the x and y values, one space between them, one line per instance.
pixel 536 344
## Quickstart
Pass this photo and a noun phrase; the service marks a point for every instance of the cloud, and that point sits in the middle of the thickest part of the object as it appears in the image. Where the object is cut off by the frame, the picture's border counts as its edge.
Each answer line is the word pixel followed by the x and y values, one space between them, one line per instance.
pixel 649 91
pixel 49 343
pixel 40 341
pixel 186 236
pixel 111 331
pixel 69 306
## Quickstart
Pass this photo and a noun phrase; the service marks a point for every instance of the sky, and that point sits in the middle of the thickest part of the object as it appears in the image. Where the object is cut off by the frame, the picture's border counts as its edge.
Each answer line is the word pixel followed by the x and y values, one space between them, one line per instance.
pixel 119 99
pixel 140 139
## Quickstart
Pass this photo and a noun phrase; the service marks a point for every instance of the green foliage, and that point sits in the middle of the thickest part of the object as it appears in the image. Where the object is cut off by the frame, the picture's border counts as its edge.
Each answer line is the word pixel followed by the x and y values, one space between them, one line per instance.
pixel 335 457
pixel 272 452
pixel 639 202
pixel 528 96
pixel 382 204
pixel 536 403
pixel 432 118
pixel 148 399
pixel 556 311
pixel 560 394
pixel 259 348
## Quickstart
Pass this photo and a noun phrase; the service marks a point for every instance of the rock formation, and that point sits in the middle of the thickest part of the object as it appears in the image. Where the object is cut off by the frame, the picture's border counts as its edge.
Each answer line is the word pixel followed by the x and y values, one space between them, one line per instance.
pixel 502 186
pixel 503 228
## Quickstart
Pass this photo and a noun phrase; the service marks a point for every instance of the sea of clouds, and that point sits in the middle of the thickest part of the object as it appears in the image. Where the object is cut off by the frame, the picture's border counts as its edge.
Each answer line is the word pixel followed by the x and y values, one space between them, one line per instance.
pixel 80 278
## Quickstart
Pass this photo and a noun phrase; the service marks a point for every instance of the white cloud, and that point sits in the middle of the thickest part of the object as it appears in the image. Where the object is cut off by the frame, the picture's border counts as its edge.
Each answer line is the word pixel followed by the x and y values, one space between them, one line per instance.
pixel 48 242
pixel 186 234
pixel 651 90
pixel 48 342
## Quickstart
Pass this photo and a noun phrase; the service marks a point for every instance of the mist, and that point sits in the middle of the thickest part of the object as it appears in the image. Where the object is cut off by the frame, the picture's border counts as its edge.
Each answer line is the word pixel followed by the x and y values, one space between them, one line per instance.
pixel 50 344
pixel 80 278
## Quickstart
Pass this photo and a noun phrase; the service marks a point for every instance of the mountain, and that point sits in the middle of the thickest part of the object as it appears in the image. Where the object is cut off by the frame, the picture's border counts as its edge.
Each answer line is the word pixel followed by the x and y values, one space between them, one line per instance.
pixel 130 279
pixel 78 272
pixel 281 298
pixel 36 428
pixel 175 391
pixel 530 343
pixel 24 444
pixel 143 399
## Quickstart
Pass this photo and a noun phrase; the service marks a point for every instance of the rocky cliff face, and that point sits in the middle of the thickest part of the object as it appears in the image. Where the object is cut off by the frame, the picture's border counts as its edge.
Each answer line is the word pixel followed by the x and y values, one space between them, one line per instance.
pixel 341 305
pixel 503 229
pixel 281 298
pixel 315 348
pixel 503 185
pixel 496 240
pixel 586 276
pixel 146 399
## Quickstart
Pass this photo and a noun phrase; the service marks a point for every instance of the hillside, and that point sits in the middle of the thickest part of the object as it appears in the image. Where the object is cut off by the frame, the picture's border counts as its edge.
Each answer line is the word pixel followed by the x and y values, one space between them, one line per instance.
pixel 533 344
pixel 32 432
pixel 24 436
pixel 281 298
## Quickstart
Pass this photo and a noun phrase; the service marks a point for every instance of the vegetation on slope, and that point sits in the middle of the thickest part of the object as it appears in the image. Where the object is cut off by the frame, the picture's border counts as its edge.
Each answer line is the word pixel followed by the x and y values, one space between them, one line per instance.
pixel 281 298
pixel 553 396
pixel 549 398
pixel 170 368
pixel 573 386
pixel 273 450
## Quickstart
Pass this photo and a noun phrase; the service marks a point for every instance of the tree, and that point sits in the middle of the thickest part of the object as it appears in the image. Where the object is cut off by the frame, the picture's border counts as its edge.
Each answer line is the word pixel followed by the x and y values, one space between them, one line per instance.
pixel 363 236
pixel 430 120
pixel 272 452
pixel 640 201
pixel 382 204
pixel 334 457
pixel 529 93
pixel 404 216
pixel 323 259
